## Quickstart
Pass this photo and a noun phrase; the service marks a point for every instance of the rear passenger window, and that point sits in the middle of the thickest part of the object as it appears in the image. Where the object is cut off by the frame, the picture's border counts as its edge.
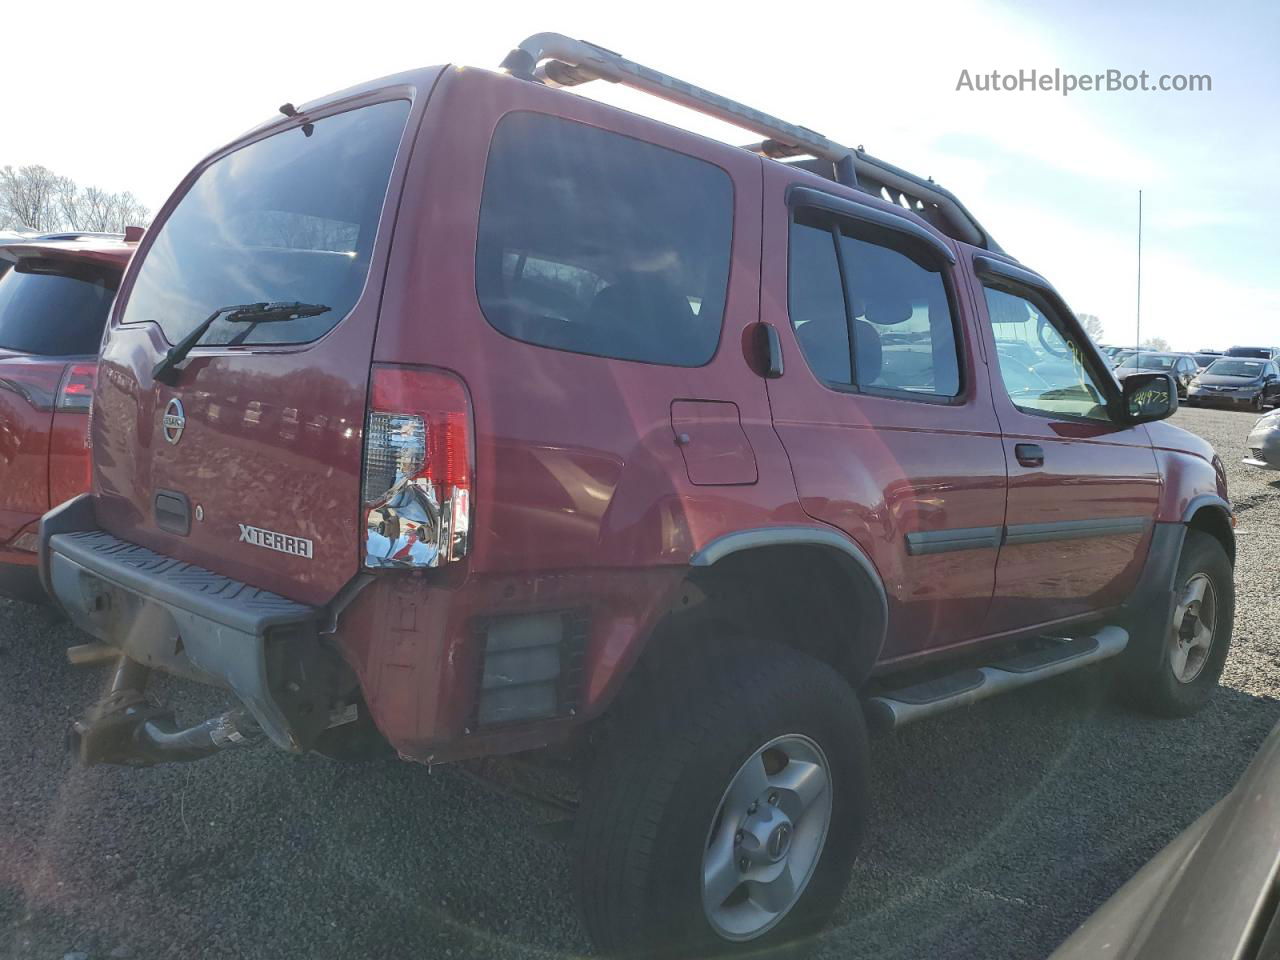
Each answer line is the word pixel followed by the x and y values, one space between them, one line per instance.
pixel 893 301
pixel 817 303
pixel 597 243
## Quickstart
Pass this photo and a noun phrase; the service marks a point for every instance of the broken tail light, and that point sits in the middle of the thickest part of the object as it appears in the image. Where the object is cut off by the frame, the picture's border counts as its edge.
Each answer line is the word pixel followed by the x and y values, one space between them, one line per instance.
pixel 418 468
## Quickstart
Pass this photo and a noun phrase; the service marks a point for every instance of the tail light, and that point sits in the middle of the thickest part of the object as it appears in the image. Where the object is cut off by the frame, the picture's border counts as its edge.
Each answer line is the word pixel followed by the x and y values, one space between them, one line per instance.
pixel 76 392
pixel 418 468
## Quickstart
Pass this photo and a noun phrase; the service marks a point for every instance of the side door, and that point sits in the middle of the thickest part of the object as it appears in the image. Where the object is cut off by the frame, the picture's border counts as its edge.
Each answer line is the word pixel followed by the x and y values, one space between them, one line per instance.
pixel 1186 373
pixel 1083 490
pixel 1271 382
pixel 889 429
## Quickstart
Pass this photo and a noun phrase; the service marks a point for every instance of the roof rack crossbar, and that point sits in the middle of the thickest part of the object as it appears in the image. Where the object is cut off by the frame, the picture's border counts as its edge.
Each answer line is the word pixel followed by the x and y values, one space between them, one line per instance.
pixel 560 61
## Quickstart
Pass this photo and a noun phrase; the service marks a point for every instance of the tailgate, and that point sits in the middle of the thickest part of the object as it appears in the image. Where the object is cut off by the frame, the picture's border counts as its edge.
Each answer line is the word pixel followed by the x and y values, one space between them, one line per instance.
pixel 245 457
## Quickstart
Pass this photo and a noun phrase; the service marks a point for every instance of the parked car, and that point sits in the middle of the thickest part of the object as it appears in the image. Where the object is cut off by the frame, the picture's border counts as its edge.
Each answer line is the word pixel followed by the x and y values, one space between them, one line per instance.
pixel 1204 358
pixel 1210 892
pixel 54 297
pixel 1182 366
pixel 1264 442
pixel 1237 382
pixel 1257 353
pixel 589 485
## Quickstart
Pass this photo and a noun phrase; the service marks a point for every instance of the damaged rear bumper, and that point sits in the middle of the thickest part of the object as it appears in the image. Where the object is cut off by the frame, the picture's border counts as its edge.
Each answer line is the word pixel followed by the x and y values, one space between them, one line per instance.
pixel 183 619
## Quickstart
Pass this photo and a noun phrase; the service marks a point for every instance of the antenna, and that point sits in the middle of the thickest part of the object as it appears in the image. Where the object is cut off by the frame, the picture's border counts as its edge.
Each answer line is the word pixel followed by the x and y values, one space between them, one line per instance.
pixel 1138 318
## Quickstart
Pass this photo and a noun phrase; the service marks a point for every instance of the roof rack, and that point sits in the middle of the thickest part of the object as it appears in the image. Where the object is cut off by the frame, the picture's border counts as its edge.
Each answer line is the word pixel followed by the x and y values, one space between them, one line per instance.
pixel 560 61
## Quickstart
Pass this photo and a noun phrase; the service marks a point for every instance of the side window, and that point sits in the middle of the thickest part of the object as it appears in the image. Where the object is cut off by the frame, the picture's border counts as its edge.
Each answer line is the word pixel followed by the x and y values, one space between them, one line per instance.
pixel 816 303
pixel 1041 365
pixel 902 317
pixel 597 243
pixel 895 304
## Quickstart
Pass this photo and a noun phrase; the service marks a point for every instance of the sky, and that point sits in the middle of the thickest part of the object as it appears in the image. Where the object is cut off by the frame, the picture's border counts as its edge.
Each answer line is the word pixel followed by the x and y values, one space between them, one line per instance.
pixel 130 95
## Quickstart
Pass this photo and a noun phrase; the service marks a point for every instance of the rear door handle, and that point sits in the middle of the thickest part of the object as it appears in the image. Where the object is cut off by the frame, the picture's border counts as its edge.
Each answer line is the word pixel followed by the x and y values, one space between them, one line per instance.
pixel 1029 454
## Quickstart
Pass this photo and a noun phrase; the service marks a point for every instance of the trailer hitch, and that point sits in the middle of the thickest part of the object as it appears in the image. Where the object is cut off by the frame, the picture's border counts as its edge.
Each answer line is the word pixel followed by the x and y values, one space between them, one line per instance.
pixel 125 728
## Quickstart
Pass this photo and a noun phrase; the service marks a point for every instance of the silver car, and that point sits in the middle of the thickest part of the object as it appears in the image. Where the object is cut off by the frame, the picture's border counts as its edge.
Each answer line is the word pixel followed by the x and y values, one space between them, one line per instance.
pixel 1210 894
pixel 1264 442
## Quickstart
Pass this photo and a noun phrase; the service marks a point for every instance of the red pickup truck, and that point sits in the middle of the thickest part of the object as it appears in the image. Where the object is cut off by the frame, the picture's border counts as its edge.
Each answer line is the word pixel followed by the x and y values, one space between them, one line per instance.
pixel 55 292
pixel 461 414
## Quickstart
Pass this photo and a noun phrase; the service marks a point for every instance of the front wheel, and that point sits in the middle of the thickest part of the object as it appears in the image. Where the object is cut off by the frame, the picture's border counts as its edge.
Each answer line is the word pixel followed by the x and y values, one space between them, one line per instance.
pixel 726 808
pixel 1173 672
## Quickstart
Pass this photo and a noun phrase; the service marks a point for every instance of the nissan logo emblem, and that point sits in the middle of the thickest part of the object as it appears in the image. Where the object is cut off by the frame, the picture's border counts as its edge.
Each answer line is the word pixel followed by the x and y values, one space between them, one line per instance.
pixel 174 421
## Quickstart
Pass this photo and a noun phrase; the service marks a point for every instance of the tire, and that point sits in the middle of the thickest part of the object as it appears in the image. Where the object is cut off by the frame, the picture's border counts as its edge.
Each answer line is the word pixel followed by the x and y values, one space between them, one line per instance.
pixel 1256 404
pixel 652 820
pixel 1158 679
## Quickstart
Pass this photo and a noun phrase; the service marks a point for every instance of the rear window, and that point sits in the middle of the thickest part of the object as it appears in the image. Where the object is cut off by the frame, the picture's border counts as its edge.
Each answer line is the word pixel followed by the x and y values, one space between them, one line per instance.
pixel 597 243
pixel 291 217
pixel 55 308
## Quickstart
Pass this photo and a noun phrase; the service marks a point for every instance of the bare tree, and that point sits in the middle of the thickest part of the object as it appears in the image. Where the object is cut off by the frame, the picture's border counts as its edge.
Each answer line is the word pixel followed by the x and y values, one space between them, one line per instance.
pixel 28 197
pixel 1092 326
pixel 1156 344
pixel 36 198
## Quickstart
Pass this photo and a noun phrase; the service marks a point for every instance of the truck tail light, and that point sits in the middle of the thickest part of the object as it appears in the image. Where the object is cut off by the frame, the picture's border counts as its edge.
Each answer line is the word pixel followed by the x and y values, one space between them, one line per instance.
pixel 418 468
pixel 76 392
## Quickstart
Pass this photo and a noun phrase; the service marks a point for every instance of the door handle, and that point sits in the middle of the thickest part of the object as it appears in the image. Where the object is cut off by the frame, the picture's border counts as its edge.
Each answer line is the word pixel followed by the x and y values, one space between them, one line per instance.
pixel 1029 454
pixel 769 350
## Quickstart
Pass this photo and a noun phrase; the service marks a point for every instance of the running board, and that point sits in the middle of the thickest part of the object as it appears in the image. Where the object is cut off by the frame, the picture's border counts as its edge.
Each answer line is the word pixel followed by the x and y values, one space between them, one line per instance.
pixel 898 707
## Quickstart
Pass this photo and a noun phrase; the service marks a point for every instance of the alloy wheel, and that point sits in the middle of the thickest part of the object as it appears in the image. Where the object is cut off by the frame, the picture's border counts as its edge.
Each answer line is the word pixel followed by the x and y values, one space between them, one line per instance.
pixel 1194 623
pixel 766 837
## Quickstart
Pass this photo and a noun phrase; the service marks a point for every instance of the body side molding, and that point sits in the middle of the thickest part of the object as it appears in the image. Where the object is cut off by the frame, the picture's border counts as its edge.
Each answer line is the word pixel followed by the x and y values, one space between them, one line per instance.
pixel 1021 533
pixel 959 538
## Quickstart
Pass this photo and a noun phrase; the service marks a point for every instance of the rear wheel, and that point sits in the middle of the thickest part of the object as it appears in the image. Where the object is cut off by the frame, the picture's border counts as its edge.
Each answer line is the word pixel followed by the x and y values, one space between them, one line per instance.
pixel 1175 672
pixel 725 809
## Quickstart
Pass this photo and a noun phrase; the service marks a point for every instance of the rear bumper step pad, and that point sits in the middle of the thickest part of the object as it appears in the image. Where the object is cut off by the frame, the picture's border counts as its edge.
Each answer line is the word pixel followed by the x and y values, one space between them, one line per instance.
pixel 895 708
pixel 178 617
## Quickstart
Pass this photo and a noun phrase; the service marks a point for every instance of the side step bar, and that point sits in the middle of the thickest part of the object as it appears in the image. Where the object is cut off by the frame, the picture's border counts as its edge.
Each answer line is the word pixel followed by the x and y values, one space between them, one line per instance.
pixel 895 708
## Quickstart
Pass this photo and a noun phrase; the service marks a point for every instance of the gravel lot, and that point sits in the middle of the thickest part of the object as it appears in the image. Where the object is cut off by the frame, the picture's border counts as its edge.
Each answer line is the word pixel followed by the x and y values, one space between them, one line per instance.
pixel 996 830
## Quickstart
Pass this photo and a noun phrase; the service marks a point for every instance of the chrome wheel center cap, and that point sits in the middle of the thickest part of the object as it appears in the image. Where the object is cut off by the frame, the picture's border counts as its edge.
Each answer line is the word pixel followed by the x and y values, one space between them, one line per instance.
pixel 779 844
pixel 767 836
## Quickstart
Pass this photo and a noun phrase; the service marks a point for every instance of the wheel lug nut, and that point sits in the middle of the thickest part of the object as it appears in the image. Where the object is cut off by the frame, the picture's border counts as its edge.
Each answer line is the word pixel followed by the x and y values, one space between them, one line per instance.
pixel 754 807
pixel 773 799
pixel 743 864
pixel 737 837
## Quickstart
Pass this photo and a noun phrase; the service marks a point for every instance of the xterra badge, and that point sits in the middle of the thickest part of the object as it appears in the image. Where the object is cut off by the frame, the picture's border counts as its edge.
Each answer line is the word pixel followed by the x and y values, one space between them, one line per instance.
pixel 297 546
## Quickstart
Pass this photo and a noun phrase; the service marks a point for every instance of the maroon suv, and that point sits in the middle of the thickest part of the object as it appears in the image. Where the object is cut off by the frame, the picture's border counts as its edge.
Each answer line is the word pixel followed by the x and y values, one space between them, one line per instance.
pixel 464 414
pixel 55 293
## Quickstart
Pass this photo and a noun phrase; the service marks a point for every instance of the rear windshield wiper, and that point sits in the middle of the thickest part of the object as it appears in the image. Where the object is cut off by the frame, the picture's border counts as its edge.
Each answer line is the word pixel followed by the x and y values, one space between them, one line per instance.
pixel 253 313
